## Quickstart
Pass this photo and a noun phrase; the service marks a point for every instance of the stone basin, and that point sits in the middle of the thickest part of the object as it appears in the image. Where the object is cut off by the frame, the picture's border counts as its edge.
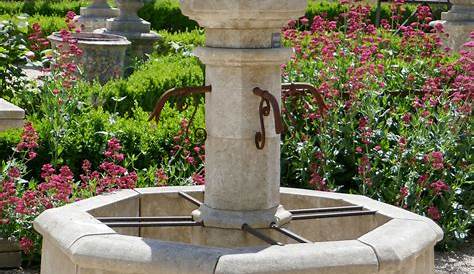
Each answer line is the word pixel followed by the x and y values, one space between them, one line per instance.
pixel 75 242
pixel 103 55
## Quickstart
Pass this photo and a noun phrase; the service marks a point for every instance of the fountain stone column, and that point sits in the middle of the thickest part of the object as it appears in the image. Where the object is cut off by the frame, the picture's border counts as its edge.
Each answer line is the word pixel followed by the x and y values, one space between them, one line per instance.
pixel 242 52
pixel 458 23
pixel 95 16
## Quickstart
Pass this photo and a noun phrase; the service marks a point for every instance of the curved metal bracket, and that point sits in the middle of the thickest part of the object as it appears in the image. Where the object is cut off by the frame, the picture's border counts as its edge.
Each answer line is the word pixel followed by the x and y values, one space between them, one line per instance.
pixel 268 101
pixel 301 89
pixel 180 92
pixel 293 89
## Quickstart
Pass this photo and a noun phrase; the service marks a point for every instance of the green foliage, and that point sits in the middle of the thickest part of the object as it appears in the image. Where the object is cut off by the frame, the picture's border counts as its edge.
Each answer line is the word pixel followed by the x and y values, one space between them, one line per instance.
pixel 42 7
pixel 49 24
pixel 13 50
pixel 180 42
pixel 149 82
pixel 145 143
pixel 166 14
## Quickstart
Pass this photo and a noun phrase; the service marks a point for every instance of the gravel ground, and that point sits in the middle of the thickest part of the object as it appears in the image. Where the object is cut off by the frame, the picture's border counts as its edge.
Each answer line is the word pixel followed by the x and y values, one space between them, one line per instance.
pixel 455 262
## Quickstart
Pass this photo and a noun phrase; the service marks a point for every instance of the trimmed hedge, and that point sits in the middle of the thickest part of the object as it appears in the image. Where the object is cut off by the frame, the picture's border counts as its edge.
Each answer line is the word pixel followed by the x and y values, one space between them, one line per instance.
pixel 166 14
pixel 41 7
pixel 88 133
pixel 149 82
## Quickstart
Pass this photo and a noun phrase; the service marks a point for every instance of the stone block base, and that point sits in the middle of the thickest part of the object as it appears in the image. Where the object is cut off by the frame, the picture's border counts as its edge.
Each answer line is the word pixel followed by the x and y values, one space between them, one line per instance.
pixel 10 259
pixel 10 255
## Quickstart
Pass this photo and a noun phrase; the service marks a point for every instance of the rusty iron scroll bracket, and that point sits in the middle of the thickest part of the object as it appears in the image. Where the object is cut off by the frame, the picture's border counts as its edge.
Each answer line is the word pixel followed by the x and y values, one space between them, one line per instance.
pixel 268 101
pixel 298 89
pixel 182 92
pixel 176 92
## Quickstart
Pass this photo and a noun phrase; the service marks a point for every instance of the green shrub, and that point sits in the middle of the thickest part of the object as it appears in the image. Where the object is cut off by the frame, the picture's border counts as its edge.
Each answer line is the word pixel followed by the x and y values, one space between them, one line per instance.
pixel 180 42
pixel 49 24
pixel 149 82
pixel 166 14
pixel 42 7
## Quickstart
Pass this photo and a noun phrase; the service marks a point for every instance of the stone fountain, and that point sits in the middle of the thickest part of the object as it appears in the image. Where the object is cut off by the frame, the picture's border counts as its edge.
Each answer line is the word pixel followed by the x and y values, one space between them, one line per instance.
pixel 131 26
pixel 246 222
pixel 458 23
pixel 95 16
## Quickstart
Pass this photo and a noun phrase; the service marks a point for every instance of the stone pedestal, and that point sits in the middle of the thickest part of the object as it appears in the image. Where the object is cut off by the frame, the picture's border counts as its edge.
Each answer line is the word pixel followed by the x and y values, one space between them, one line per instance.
pixel 242 52
pixel 135 29
pixel 95 16
pixel 11 116
pixel 10 254
pixel 458 23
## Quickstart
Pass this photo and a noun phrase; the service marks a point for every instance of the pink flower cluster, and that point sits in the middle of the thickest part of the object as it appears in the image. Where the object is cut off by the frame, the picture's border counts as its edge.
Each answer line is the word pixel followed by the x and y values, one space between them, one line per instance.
pixel 29 141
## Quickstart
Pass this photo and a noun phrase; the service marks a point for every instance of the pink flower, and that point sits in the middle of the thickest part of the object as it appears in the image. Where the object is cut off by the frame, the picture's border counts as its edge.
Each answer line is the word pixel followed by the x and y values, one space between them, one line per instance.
pixel 161 177
pixel 14 172
pixel 423 179
pixel 304 21
pixel 198 179
pixel 26 245
pixel 439 186
pixel 404 192
pixel 434 213
pixel 436 159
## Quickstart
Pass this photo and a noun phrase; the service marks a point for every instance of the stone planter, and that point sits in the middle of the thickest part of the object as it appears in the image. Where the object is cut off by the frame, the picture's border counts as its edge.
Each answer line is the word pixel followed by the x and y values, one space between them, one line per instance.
pixel 11 116
pixel 10 254
pixel 103 54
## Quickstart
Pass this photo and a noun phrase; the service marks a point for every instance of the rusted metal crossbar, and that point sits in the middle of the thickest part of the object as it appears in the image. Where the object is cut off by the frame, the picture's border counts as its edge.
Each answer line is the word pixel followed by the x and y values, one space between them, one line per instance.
pixel 187 221
pixel 260 235
pixel 290 234
pixel 301 89
pixel 326 209
pixel 154 224
pixel 309 216
pixel 145 219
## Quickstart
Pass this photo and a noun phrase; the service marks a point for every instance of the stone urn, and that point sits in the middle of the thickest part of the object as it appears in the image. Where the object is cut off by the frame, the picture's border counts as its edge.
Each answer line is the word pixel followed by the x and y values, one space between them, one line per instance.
pixel 131 26
pixel 458 23
pixel 95 16
pixel 103 55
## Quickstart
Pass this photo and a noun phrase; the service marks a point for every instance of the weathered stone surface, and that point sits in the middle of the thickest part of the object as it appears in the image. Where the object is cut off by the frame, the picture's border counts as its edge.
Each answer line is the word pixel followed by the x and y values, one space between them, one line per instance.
pixel 11 116
pixel 348 257
pixel 54 260
pixel 95 16
pixel 399 242
pixel 135 29
pixel 124 203
pixel 103 56
pixel 368 244
pixel 10 259
pixel 126 254
pixel 63 226
pixel 458 23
